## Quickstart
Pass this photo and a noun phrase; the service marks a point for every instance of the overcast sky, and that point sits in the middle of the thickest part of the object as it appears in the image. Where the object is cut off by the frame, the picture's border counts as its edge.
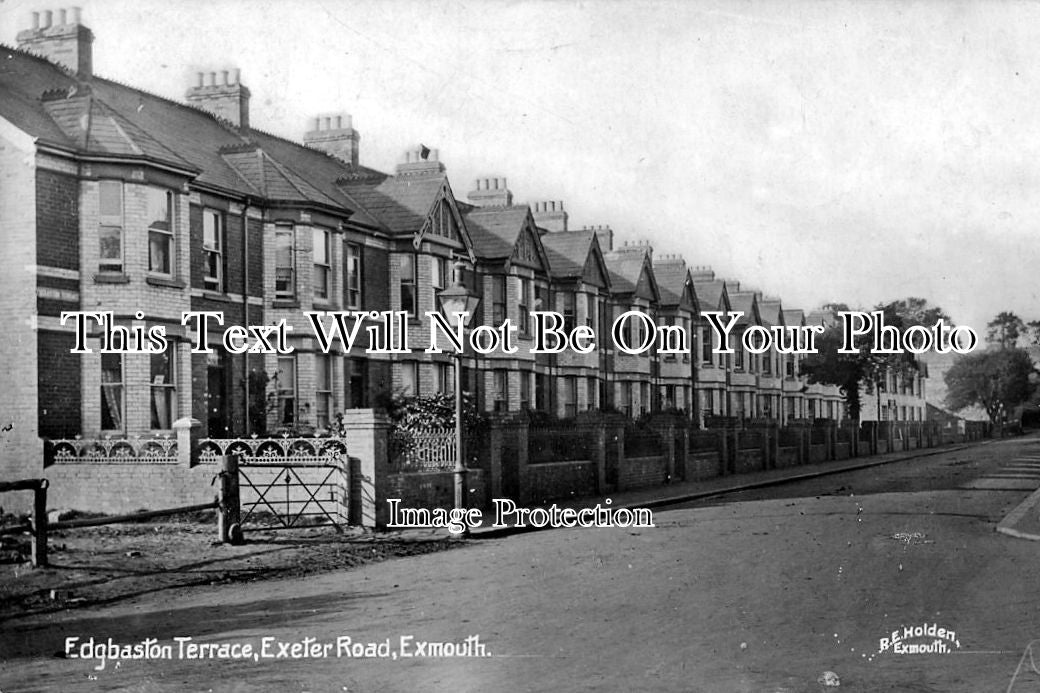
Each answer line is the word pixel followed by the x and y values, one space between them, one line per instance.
pixel 855 152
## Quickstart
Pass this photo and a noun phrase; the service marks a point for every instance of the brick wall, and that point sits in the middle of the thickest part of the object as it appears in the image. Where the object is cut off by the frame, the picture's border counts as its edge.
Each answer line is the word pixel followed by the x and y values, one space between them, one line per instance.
pixel 57 219
pixel 640 472
pixel 20 448
pixel 435 489
pixel 555 480
pixel 123 488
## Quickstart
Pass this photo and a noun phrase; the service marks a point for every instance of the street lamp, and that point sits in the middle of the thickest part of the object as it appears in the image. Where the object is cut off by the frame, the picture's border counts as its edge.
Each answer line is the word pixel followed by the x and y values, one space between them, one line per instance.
pixel 458 303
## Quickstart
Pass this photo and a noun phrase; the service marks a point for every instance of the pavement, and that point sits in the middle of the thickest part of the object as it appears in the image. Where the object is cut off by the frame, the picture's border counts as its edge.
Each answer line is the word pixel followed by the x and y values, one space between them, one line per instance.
pixel 680 492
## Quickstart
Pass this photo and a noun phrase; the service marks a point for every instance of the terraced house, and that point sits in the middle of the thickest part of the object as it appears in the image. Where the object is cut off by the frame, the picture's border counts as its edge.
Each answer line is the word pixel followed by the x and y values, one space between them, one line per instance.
pixel 116 200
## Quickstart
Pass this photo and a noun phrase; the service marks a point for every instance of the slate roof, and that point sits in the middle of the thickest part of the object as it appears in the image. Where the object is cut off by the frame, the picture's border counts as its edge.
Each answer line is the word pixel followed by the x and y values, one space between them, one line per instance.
pixel 671 282
pixel 399 204
pixel 494 230
pixel 710 294
pixel 770 311
pixel 624 268
pixel 103 117
pixel 567 252
pixel 743 301
pixel 794 317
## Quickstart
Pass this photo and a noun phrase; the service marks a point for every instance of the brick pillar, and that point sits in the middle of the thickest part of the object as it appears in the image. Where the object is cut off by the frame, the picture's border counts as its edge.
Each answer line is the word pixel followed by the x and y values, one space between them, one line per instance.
pixel 366 432
pixel 188 431
pixel 519 428
pixel 495 463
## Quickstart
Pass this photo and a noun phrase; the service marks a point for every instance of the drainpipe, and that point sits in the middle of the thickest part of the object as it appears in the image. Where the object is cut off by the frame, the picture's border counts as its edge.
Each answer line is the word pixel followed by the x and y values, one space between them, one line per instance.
pixel 245 304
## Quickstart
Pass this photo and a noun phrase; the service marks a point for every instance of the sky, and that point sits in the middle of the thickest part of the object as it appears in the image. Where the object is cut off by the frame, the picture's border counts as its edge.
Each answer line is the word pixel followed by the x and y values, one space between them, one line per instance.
pixel 854 152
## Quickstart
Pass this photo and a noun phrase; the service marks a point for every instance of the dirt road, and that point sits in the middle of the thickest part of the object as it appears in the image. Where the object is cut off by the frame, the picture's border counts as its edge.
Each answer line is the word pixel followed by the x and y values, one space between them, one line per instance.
pixel 759 595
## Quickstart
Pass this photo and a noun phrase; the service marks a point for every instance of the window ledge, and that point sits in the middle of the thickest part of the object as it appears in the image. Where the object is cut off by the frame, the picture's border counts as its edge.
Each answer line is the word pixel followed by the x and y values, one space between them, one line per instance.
pixel 111 278
pixel 211 295
pixel 169 282
pixel 323 305
pixel 285 303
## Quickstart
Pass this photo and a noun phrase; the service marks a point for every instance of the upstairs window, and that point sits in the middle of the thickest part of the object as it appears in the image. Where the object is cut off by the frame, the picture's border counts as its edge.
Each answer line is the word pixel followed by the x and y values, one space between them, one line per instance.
pixel 353 276
pixel 160 231
pixel 567 310
pixel 498 300
pixel 706 346
pixel 408 281
pixel 524 306
pixel 110 226
pixel 439 277
pixel 213 248
pixel 284 263
pixel 164 389
pixel 322 264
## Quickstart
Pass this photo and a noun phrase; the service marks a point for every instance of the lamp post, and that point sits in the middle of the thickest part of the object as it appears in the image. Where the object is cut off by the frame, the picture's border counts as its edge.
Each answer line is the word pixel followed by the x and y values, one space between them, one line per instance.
pixel 457 303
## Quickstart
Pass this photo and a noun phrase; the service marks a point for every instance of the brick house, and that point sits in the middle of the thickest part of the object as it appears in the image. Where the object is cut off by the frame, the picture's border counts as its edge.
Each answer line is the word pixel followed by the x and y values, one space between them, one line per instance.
pixel 116 200
pixel 633 287
pixel 678 308
pixel 581 286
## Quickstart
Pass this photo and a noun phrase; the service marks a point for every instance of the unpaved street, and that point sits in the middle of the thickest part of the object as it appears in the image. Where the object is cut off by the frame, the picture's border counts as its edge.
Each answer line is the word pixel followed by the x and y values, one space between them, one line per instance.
pixel 757 594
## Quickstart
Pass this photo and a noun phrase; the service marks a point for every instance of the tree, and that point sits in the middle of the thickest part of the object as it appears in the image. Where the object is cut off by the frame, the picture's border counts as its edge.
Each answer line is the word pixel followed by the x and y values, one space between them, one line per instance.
pixel 1004 330
pixel 996 380
pixel 913 311
pixel 851 372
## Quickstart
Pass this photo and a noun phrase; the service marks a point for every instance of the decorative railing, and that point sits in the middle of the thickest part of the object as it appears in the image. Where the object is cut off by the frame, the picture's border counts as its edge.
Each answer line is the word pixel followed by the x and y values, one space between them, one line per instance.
pixel 425 451
pixel 274 450
pixel 111 450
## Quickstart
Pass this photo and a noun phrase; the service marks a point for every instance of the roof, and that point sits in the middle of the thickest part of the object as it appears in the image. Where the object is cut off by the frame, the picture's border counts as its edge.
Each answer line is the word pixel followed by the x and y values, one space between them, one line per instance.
pixel 494 230
pixel 794 317
pixel 770 312
pixel 710 293
pixel 103 117
pixel 567 251
pixel 400 204
pixel 671 282
pixel 744 302
pixel 624 267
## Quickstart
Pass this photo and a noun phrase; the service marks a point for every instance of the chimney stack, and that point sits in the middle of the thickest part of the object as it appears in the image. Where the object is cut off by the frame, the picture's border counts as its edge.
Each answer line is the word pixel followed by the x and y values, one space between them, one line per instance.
pixel 550 216
pixel 334 135
pixel 222 94
pixel 702 273
pixel 604 234
pixel 421 161
pixel 67 43
pixel 490 191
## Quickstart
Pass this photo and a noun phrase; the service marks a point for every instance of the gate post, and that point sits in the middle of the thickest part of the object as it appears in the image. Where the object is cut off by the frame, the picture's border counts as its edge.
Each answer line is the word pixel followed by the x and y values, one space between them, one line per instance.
pixel 229 526
pixel 39 537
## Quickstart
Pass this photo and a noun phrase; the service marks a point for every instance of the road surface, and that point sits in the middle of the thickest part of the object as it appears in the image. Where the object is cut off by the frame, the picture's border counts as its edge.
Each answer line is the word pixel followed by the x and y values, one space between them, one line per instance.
pixel 760 592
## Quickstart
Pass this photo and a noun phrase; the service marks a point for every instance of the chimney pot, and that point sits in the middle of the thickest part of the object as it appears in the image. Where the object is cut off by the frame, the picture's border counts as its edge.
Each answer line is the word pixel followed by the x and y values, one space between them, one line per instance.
pixel 36 20
pixel 339 122
pixel 213 79
pixel 46 19
pixel 62 17
pixel 201 77
pixel 77 15
pixel 236 76
pixel 224 77
pixel 317 123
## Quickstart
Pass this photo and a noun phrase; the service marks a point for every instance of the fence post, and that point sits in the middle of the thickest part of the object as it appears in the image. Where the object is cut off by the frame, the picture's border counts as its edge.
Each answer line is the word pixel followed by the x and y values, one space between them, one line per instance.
pixel 39 537
pixel 229 519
